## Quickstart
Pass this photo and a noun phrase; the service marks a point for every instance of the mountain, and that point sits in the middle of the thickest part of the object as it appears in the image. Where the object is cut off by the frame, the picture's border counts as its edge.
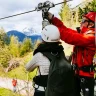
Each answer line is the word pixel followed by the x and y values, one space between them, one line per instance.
pixel 34 37
pixel 21 35
pixel 29 31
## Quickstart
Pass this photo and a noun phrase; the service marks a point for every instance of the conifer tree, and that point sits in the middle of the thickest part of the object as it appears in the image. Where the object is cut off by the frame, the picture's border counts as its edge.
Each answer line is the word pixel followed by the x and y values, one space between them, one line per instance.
pixel 66 14
pixel 26 46
pixel 91 6
pixel 4 39
pixel 14 46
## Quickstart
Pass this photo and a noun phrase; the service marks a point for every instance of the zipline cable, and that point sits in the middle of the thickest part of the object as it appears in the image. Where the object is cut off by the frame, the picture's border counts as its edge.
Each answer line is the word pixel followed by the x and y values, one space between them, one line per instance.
pixel 30 11
pixel 17 14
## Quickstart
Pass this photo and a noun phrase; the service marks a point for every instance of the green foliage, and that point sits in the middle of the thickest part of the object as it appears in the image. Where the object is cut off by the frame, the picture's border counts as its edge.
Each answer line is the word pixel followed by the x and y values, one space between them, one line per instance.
pixel 18 72
pixel 4 56
pixel 7 92
pixel 31 75
pixel 3 38
pixel 14 46
pixel 91 6
pixel 26 46
pixel 2 72
pixel 14 49
pixel 4 51
pixel 68 16
pixel 27 58
pixel 65 14
pixel 21 73
pixel 71 18
pixel 80 13
pixel 17 48
pixel 36 43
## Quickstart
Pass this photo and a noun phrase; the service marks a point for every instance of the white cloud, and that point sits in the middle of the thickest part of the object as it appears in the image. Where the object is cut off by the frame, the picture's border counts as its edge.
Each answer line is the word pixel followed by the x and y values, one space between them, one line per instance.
pixel 34 19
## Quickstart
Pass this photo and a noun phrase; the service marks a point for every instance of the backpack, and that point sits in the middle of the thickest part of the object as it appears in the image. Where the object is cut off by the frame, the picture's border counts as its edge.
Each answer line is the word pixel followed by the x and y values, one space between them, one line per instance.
pixel 61 75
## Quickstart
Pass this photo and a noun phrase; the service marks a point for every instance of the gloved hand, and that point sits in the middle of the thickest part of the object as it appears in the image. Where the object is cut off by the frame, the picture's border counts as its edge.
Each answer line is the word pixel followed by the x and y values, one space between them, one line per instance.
pixel 48 16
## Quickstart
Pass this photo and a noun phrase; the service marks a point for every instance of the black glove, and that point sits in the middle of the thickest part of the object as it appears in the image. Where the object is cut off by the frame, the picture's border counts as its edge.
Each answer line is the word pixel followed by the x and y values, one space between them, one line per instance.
pixel 47 15
pixel 78 29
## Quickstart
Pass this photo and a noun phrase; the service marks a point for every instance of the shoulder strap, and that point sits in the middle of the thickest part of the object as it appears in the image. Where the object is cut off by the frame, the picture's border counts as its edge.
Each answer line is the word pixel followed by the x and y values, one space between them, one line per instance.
pixel 50 55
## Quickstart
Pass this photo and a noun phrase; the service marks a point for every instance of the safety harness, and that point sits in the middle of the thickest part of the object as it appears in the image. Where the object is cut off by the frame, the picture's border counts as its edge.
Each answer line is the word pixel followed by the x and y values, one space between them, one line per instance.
pixel 87 68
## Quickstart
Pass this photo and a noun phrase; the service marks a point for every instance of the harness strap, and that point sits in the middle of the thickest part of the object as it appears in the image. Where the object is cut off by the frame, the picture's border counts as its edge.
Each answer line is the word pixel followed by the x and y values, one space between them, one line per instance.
pixel 89 68
pixel 37 80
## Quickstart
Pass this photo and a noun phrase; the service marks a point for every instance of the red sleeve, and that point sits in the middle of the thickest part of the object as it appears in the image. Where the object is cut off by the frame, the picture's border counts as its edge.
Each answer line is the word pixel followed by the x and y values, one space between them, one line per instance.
pixel 72 36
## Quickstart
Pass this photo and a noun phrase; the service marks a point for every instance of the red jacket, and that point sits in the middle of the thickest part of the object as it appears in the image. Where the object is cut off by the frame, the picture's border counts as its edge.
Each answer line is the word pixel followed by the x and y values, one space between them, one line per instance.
pixel 14 82
pixel 84 45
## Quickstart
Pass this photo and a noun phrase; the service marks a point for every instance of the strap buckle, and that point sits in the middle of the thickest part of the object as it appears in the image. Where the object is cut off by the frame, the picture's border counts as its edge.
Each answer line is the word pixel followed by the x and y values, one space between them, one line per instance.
pixel 74 66
pixel 82 80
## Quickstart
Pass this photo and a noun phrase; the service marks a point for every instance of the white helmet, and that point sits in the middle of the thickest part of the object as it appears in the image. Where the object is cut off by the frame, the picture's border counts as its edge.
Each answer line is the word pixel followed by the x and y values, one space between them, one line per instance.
pixel 50 34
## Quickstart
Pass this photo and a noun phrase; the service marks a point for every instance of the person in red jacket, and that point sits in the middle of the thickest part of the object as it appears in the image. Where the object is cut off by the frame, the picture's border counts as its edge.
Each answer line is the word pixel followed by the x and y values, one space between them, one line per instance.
pixel 14 83
pixel 83 52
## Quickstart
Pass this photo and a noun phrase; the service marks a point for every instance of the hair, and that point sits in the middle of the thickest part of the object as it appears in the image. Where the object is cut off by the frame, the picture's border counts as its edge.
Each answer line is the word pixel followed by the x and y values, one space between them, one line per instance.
pixel 92 22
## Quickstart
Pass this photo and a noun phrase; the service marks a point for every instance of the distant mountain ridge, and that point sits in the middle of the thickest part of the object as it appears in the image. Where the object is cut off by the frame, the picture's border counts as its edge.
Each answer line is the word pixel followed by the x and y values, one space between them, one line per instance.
pixel 21 35
pixel 29 31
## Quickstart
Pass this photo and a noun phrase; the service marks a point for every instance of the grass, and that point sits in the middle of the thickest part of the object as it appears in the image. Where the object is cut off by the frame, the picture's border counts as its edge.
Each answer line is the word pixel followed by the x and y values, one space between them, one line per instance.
pixel 7 92
pixel 2 73
pixel 19 72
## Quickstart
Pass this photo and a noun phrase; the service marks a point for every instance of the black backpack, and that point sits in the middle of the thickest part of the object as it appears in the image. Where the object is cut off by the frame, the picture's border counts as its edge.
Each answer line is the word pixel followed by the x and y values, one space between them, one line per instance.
pixel 61 75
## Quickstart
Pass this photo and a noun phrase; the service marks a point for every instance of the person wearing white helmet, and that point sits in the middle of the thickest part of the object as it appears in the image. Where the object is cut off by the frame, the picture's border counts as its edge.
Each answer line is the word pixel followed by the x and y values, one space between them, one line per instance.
pixel 50 53
pixel 50 43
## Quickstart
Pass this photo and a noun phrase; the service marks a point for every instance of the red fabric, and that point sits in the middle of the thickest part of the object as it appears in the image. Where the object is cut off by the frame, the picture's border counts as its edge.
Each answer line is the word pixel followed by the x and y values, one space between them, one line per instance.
pixel 14 82
pixel 84 45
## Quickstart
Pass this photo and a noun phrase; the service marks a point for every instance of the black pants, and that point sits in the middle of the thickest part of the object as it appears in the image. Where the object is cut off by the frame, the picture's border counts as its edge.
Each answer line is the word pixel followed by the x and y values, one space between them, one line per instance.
pixel 86 84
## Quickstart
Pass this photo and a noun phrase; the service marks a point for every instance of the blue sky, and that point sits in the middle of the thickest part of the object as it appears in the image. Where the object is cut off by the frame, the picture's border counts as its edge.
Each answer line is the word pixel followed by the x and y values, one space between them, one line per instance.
pixel 30 20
